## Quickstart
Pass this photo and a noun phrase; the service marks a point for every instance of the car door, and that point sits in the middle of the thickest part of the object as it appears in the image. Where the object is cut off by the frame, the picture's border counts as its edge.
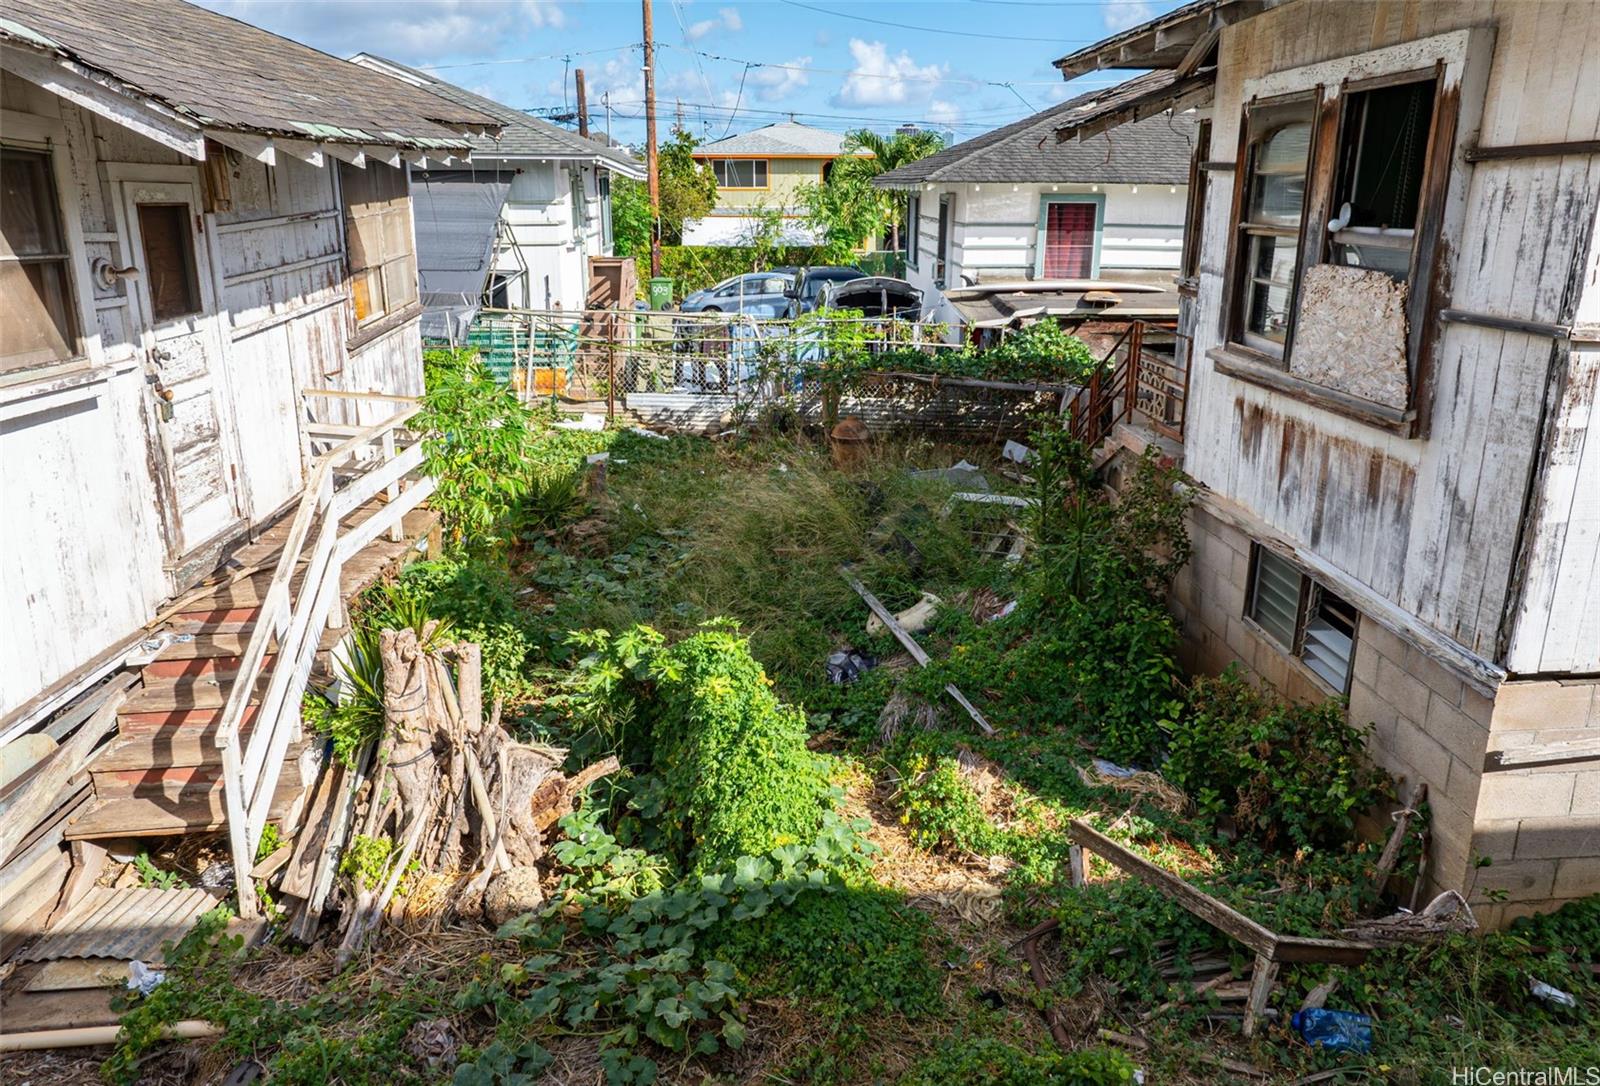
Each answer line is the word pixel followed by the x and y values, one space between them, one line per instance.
pixel 183 359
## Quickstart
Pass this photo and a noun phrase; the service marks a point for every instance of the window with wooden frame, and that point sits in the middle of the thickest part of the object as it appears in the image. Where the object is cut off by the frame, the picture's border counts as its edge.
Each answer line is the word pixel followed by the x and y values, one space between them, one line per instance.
pixel 941 255
pixel 38 325
pixel 740 173
pixel 1384 136
pixel 1195 205
pixel 913 229
pixel 377 215
pixel 1277 164
pixel 1302 617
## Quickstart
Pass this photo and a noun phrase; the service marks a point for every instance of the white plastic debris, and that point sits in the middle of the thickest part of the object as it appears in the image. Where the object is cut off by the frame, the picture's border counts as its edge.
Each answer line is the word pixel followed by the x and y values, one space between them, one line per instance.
pixel 1003 612
pixel 143 979
pixel 642 432
pixel 1551 994
pixel 597 458
pixel 582 422
pixel 1016 451
pixel 1112 769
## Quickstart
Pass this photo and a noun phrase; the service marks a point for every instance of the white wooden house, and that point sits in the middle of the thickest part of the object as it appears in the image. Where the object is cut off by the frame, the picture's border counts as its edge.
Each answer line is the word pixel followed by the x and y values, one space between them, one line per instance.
pixel 1393 294
pixel 201 221
pixel 552 192
pixel 1016 205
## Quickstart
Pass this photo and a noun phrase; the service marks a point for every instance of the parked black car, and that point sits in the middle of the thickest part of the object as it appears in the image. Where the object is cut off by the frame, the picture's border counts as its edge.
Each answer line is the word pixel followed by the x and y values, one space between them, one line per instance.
pixel 808 284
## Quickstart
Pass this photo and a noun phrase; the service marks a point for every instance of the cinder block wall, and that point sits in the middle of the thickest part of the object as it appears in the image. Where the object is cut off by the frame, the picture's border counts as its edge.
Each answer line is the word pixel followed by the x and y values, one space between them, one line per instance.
pixel 1539 827
pixel 1430 726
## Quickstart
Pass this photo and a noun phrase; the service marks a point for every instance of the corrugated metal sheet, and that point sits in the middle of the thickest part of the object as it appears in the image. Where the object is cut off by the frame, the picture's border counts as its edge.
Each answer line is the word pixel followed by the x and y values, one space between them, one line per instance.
pixel 127 925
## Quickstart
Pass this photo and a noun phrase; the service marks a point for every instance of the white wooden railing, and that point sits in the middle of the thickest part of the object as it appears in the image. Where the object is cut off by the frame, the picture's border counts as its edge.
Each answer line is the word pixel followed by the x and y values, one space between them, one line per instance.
pixel 365 460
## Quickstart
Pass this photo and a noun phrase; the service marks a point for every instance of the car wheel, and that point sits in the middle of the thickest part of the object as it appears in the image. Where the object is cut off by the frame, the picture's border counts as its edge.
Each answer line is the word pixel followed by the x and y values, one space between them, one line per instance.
pixel 712 309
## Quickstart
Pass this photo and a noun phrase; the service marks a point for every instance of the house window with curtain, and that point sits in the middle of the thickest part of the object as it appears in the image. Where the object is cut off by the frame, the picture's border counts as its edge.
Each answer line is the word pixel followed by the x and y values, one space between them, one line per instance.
pixel 383 263
pixel 913 228
pixel 941 256
pixel 37 323
pixel 1069 230
pixel 1277 158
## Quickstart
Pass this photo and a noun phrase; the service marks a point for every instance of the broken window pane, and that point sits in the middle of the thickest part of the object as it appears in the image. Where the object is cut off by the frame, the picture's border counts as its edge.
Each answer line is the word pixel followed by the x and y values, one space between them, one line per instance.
pixel 1382 157
pixel 36 323
pixel 169 261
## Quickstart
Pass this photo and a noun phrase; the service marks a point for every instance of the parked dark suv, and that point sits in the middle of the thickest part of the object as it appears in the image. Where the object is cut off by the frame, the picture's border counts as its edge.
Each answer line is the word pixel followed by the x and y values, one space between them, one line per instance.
pixel 808 283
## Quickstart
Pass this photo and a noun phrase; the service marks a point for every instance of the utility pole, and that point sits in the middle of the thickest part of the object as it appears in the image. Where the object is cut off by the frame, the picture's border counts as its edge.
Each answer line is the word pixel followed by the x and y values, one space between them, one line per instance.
pixel 583 107
pixel 651 164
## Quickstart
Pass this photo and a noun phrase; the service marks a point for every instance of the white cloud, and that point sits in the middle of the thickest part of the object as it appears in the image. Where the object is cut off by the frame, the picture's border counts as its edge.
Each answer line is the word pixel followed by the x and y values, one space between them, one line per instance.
pixel 727 19
pixel 942 112
pixel 772 84
pixel 879 79
pixel 1122 16
pixel 406 30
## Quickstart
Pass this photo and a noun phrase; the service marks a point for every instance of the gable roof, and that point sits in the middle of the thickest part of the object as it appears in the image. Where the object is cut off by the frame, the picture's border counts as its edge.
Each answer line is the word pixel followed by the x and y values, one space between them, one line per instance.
pixel 521 135
pixel 782 138
pixel 181 69
pixel 1153 151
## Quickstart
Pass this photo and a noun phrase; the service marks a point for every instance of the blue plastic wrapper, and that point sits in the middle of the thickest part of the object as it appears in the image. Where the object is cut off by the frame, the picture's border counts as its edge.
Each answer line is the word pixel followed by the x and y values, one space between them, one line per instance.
pixel 1342 1031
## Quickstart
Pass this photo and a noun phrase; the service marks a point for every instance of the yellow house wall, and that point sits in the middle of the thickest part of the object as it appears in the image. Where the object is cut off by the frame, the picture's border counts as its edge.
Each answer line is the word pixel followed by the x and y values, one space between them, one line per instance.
pixel 784 176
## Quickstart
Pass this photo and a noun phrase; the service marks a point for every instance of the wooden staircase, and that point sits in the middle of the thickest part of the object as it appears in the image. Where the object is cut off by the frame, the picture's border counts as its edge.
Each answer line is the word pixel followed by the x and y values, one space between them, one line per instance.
pixel 212 738
pixel 162 773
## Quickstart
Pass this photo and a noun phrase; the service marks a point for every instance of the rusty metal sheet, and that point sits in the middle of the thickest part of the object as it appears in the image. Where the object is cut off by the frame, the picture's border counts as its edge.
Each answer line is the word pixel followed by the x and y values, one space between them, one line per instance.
pixel 127 925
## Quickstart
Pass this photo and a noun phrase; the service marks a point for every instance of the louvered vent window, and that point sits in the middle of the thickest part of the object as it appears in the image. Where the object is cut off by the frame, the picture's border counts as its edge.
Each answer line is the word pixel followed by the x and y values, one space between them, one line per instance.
pixel 1302 617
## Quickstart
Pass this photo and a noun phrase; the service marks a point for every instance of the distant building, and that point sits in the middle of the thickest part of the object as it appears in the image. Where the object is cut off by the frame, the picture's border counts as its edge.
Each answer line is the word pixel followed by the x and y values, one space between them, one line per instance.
pixel 1017 204
pixel 517 226
pixel 762 170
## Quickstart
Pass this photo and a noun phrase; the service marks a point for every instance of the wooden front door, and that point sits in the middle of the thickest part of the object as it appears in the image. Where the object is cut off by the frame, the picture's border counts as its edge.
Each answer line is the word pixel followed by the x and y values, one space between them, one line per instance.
pixel 179 335
pixel 1069 240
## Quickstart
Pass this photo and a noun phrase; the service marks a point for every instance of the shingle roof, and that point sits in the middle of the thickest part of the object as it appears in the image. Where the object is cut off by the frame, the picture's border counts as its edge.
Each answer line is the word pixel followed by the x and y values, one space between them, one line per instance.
pixel 782 138
pixel 522 136
pixel 220 73
pixel 1153 151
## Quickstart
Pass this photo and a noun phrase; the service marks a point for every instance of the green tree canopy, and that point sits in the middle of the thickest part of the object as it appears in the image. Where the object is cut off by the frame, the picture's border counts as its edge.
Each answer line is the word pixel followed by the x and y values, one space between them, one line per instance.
pixel 847 210
pixel 688 191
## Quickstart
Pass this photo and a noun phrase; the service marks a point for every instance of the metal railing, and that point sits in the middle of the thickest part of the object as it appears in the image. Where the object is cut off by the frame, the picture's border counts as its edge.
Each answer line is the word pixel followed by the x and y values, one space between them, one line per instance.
pixel 1146 383
pixel 301 602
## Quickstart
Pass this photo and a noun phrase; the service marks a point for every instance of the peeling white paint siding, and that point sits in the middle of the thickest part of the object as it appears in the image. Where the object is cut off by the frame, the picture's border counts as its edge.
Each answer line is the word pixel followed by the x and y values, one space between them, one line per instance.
pixel 1431 523
pixel 87 512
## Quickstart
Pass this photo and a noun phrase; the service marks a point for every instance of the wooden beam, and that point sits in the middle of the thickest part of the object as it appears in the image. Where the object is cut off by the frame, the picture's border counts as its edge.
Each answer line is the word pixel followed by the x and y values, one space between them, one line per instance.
pixel 260 148
pixel 389 156
pixel 99 96
pixel 304 150
pixel 1505 324
pixel 917 652
pixel 347 152
pixel 1532 150
pixel 43 791
pixel 1225 918
pixel 1568 753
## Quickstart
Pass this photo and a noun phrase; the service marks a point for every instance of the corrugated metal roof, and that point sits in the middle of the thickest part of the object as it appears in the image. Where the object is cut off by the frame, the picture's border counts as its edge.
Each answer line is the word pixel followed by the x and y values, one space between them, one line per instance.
pixel 782 138
pixel 522 135
pixel 127 925
pixel 227 75
pixel 1152 151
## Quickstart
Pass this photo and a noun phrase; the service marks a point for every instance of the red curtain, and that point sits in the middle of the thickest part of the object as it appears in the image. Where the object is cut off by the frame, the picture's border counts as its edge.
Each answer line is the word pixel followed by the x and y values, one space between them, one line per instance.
pixel 1069 241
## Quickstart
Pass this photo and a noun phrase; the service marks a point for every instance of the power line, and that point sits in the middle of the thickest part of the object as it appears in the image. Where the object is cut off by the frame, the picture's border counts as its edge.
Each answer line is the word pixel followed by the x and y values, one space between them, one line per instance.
pixel 708 107
pixel 852 71
pixel 1035 39
pixel 528 60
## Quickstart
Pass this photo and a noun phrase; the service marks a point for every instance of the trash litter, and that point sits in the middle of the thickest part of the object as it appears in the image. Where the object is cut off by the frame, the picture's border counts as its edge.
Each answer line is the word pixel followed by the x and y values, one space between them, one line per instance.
pixel 582 422
pixel 913 619
pixel 1551 994
pixel 1112 769
pixel 1338 1031
pixel 848 665
pixel 143 979
pixel 642 432
pixel 217 877
pixel 597 458
pixel 1016 452
pixel 1003 612
pixel 961 474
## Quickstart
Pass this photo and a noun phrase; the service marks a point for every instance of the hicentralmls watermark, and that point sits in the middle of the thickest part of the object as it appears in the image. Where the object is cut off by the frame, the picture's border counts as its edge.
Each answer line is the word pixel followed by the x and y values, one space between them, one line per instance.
pixel 1526 1076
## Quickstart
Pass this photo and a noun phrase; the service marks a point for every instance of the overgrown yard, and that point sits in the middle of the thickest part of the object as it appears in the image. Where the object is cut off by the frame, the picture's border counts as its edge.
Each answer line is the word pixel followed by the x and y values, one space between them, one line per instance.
pixel 796 880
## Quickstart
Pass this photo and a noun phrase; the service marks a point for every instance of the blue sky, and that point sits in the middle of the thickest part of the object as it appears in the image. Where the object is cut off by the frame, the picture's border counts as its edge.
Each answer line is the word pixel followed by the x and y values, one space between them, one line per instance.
pixel 962 65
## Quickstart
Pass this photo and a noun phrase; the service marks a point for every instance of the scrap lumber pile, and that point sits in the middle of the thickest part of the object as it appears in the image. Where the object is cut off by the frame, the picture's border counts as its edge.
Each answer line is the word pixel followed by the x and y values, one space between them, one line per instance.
pixel 445 805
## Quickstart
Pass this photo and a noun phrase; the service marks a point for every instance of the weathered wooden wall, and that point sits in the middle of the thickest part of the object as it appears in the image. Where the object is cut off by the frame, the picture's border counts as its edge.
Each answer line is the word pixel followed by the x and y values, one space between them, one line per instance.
pixel 86 541
pixel 1430 522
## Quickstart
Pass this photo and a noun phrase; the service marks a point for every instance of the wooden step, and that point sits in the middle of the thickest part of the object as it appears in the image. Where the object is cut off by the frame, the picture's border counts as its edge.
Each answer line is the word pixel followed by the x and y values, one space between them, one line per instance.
pixel 166 695
pixel 167 720
pixel 168 747
pixel 146 816
pixel 208 640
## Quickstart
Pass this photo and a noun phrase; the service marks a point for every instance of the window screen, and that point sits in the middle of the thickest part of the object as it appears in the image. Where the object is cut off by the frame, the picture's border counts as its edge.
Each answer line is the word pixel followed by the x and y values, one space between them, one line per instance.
pixel 383 267
pixel 169 261
pixel 36 322
pixel 740 173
